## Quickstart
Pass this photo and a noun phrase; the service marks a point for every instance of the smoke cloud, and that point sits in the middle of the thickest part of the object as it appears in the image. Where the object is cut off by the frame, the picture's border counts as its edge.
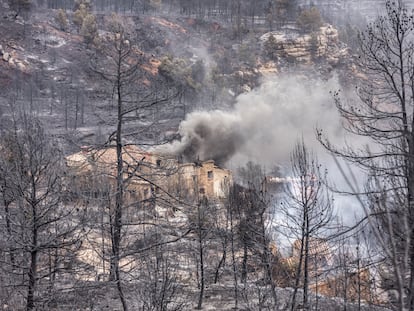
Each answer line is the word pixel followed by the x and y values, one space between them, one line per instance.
pixel 264 124
pixel 212 135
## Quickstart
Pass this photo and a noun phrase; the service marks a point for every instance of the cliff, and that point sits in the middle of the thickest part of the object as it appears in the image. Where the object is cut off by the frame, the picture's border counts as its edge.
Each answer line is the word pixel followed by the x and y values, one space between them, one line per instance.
pixel 305 47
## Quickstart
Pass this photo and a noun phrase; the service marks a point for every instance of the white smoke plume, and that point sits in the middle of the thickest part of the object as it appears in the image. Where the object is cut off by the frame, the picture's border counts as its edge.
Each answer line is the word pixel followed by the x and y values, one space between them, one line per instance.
pixel 264 124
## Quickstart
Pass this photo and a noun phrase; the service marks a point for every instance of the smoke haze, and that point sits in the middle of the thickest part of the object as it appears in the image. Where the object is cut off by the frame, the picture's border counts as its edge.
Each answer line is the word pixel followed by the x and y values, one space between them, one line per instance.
pixel 264 124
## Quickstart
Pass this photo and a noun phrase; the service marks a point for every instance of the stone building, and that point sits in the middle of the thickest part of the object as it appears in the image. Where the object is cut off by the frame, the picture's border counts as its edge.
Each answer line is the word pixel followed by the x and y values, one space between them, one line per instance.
pixel 147 175
pixel 205 179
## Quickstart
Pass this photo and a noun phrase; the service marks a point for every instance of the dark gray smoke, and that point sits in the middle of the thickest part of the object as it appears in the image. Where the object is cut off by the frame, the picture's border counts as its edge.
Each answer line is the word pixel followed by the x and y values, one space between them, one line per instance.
pixel 210 142
pixel 264 124
pixel 208 135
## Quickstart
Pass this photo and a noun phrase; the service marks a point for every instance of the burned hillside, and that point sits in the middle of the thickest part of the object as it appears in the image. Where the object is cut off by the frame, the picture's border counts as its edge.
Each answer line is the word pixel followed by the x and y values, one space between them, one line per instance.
pixel 181 155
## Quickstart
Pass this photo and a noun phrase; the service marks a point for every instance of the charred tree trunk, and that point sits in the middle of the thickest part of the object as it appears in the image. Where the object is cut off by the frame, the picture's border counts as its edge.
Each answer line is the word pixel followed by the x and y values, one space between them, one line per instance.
pixel 410 183
pixel 298 268
pixel 267 260
pixel 201 256
pixel 6 203
pixel 116 225
pixel 222 261
pixel 306 266
pixel 233 256
pixel 244 263
pixel 30 305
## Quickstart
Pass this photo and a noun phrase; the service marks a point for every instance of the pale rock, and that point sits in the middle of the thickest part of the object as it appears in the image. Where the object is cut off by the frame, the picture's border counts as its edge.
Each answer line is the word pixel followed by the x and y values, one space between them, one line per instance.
pixel 303 47
pixel 21 66
pixel 239 74
pixel 246 88
pixel 269 68
pixel 332 60
pixel 6 56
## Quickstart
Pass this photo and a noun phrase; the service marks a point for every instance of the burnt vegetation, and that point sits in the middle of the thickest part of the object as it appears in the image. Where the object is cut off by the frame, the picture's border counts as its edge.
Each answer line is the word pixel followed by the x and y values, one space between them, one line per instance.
pixel 118 120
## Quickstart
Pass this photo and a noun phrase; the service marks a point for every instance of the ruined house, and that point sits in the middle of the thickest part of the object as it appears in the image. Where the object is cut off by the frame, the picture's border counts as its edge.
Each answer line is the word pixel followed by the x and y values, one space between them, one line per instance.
pixel 148 175
pixel 205 179
pixel 155 187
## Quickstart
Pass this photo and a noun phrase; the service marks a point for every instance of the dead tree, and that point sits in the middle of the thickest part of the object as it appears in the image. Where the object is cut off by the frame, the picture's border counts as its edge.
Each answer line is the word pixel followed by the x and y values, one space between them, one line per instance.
pixel 308 211
pixel 160 288
pixel 200 218
pixel 384 115
pixel 251 217
pixel 120 64
pixel 37 222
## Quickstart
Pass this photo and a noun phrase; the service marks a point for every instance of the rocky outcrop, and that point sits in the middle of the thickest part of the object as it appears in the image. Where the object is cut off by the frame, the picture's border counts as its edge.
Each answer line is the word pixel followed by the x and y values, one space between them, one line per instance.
pixel 301 47
pixel 11 57
pixel 6 56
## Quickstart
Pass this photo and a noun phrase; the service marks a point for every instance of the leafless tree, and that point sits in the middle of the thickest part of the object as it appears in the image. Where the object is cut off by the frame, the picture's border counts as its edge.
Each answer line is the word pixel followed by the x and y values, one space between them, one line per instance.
pixel 120 64
pixel 202 229
pixel 204 236
pixel 255 232
pixel 39 229
pixel 384 115
pixel 308 211
pixel 250 216
pixel 160 289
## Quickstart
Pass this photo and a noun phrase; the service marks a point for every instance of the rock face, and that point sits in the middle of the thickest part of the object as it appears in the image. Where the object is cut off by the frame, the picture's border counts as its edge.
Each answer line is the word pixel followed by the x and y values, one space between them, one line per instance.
pixel 305 47
pixel 6 56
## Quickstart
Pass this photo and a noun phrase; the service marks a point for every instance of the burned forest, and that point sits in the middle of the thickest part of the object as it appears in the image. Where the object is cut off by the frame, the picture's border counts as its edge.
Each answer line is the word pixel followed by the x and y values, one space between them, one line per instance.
pixel 174 155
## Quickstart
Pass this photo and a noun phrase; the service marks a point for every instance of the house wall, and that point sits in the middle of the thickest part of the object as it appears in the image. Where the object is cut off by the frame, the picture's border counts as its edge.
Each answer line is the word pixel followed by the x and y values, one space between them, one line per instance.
pixel 222 181
pixel 149 173
pixel 204 179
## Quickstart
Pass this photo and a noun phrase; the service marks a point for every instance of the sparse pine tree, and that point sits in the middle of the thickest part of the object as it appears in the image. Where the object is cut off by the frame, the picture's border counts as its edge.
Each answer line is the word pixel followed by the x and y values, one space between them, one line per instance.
pixel 62 19
pixel 309 20
pixel 89 28
pixel 314 45
pixel 80 15
pixel 79 3
pixel 155 4
pixel 198 71
pixel 270 47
